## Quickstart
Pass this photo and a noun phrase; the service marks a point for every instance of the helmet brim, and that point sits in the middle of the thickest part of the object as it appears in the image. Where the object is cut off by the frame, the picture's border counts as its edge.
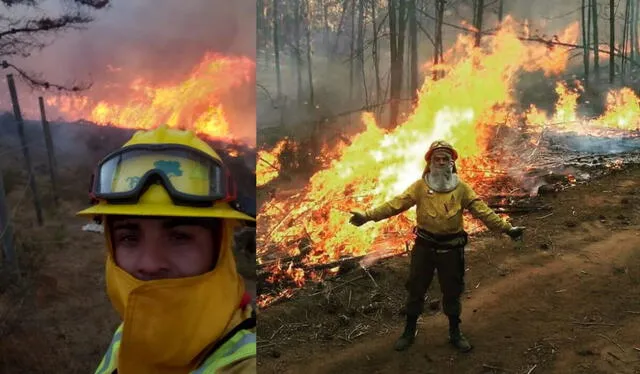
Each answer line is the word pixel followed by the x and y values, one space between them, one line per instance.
pixel 454 154
pixel 219 210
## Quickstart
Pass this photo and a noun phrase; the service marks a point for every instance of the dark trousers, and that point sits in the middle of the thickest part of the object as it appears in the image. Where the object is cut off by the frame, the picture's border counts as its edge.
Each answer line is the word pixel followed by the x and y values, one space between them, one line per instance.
pixel 425 259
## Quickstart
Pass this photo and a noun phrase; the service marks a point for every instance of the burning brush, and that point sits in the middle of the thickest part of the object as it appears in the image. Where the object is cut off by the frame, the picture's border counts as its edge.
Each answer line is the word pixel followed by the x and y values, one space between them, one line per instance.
pixel 503 152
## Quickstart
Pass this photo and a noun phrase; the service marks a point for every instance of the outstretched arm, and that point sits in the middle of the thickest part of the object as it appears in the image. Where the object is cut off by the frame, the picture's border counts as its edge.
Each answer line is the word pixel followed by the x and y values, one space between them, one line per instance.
pixel 397 205
pixel 480 210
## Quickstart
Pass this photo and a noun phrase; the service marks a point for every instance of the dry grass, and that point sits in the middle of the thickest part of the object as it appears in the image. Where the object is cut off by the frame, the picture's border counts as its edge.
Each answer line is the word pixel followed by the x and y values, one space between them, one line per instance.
pixel 54 316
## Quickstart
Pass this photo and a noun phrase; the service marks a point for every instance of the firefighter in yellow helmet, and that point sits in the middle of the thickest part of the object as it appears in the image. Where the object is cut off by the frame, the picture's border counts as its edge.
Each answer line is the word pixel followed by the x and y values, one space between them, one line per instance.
pixel 169 207
pixel 440 198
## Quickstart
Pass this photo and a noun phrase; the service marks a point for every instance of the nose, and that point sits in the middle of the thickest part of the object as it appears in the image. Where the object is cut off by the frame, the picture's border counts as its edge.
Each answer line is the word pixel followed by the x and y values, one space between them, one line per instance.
pixel 151 263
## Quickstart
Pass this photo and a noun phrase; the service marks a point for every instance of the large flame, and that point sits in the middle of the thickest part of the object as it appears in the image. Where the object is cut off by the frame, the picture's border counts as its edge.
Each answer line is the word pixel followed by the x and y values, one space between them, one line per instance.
pixel 194 103
pixel 268 166
pixel 476 94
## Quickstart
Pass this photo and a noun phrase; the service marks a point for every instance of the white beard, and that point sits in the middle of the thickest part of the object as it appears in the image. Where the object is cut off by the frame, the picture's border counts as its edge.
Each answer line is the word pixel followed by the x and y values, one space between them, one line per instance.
pixel 442 179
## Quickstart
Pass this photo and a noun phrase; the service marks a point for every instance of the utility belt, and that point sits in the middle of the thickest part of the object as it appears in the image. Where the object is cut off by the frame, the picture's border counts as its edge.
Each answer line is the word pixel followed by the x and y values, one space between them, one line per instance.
pixel 441 242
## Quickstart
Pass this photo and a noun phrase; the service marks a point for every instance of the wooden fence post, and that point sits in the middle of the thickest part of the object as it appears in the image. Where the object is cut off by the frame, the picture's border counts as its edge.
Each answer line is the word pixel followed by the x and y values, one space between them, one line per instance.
pixel 6 232
pixel 25 149
pixel 50 149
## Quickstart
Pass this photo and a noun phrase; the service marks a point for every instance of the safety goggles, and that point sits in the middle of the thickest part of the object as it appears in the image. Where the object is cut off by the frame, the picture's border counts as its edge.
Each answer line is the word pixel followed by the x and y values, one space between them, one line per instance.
pixel 191 177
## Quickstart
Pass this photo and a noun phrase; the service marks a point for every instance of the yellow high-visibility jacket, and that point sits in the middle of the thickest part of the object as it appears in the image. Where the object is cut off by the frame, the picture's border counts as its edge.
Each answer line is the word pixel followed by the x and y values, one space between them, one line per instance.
pixel 440 212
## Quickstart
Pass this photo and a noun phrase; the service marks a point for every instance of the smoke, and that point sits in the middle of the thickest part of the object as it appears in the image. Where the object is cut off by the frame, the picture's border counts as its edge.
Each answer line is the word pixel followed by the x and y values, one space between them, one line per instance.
pixel 333 94
pixel 159 41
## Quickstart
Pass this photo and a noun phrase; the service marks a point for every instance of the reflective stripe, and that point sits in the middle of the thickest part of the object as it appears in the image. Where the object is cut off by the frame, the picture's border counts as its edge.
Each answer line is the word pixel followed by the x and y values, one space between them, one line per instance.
pixel 241 346
pixel 109 361
pixel 246 339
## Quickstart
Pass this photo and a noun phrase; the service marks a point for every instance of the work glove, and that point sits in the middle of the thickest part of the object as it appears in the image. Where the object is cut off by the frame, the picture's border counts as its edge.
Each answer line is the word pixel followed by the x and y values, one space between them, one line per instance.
pixel 358 219
pixel 516 232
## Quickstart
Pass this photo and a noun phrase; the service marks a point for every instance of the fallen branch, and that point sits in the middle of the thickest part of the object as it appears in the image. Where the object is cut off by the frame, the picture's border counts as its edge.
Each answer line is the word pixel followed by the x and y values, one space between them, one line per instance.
pixel 491 367
pixel 340 285
pixel 520 209
pixel 611 340
pixel 546 215
pixel 593 323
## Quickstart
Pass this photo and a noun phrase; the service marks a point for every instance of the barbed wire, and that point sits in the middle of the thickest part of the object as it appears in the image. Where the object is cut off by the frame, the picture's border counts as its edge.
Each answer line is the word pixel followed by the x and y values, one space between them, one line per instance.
pixel 21 147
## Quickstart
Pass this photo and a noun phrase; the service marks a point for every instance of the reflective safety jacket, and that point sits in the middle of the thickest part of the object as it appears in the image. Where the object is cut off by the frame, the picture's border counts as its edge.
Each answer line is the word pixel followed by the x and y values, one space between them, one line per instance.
pixel 440 212
pixel 234 354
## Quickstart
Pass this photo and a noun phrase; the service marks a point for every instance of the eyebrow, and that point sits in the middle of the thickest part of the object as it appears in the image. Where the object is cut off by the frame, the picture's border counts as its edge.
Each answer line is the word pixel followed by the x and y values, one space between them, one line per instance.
pixel 186 221
pixel 125 226
pixel 166 223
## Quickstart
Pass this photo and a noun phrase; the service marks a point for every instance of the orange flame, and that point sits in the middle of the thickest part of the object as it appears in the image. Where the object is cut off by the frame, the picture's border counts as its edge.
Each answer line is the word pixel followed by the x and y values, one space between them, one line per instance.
pixel 268 166
pixel 194 103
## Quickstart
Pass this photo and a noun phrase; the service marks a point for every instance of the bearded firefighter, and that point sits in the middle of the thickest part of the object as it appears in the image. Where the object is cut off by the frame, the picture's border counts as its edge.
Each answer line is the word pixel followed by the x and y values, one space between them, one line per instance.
pixel 169 207
pixel 440 198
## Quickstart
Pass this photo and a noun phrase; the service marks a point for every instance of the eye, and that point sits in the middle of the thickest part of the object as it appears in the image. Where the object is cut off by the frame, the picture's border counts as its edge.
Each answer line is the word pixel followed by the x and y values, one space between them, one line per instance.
pixel 127 238
pixel 180 236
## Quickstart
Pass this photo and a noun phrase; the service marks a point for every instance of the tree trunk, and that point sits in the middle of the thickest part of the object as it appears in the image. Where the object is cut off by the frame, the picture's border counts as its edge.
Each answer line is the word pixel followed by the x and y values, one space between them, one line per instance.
pixel 437 56
pixel 374 51
pixel 312 104
pixel 276 50
pixel 596 40
pixel 625 39
pixel 500 10
pixel 633 30
pixel 612 39
pixel 585 41
pixel 259 25
pixel 413 41
pixel 339 31
pixel 478 25
pixel 393 44
pixel 402 27
pixel 634 27
pixel 296 54
pixel 325 22
pixel 352 48
pixel 361 69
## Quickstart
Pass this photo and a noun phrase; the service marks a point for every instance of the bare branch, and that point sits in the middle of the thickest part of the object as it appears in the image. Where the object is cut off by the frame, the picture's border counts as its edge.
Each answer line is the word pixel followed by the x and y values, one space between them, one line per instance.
pixel 48 24
pixel 34 82
pixel 10 3
pixel 96 4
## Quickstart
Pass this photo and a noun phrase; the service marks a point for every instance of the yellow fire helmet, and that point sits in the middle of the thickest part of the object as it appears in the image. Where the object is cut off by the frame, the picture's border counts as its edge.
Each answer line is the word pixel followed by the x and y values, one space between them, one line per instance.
pixel 164 172
pixel 440 144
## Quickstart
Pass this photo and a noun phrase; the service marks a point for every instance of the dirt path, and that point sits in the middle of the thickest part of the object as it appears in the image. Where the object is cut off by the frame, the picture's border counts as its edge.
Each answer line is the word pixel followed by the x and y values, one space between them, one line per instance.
pixel 567 301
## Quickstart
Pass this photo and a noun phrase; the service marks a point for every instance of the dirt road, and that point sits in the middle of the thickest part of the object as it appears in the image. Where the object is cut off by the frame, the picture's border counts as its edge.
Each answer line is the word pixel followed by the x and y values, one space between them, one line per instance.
pixel 566 301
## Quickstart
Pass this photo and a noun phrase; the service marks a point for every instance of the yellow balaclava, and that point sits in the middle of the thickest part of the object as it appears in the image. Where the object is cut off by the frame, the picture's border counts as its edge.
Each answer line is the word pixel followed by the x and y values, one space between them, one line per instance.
pixel 168 324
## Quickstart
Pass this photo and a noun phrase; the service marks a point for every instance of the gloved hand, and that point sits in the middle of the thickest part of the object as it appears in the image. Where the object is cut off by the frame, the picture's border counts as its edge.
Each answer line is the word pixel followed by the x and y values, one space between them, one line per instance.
pixel 516 232
pixel 358 219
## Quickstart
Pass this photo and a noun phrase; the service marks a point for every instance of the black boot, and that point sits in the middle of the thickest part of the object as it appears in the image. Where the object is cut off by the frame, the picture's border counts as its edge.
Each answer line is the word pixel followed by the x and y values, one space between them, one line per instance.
pixel 409 334
pixel 455 336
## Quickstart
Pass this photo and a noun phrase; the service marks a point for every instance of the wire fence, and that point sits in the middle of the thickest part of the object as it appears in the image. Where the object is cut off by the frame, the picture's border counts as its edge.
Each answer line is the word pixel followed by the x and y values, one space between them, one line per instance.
pixel 8 214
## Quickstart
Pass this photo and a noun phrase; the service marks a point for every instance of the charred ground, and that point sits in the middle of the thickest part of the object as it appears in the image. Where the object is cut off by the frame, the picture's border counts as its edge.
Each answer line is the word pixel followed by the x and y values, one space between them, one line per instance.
pixel 566 300
pixel 56 318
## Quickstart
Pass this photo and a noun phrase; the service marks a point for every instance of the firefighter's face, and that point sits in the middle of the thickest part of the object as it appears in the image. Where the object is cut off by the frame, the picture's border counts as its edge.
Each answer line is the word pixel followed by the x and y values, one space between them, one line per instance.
pixel 162 248
pixel 441 159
